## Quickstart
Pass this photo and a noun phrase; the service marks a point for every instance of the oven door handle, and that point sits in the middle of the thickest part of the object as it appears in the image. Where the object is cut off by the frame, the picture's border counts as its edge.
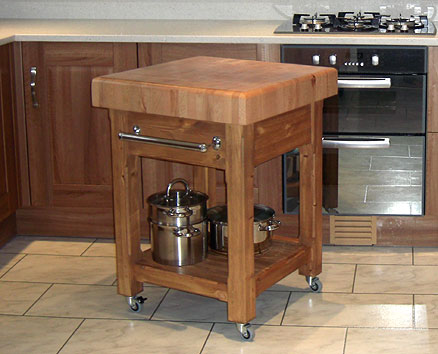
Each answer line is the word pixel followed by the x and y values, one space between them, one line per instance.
pixel 349 143
pixel 378 83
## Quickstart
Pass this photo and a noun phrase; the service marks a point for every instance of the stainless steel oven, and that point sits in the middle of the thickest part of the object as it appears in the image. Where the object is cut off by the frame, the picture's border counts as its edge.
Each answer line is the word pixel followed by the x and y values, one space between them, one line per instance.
pixel 374 130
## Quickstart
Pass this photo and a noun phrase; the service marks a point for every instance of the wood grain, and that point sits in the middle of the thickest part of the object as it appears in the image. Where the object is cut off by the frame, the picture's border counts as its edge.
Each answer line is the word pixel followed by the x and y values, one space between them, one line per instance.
pixel 295 131
pixel 215 89
pixel 8 175
pixel 68 140
pixel 432 175
pixel 239 174
pixel 311 194
pixel 127 203
pixel 432 91
pixel 157 53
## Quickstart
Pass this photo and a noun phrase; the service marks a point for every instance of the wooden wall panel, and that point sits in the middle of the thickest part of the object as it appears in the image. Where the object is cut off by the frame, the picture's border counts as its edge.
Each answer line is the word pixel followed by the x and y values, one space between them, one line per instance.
pixel 8 173
pixel 432 91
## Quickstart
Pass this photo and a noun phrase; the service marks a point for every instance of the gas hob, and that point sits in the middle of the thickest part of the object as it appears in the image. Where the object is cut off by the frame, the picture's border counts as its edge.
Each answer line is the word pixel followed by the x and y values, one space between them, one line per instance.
pixel 364 23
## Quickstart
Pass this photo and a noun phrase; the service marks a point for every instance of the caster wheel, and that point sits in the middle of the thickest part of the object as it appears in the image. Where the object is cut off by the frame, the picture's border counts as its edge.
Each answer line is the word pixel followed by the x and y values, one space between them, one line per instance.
pixel 135 303
pixel 245 332
pixel 247 335
pixel 315 285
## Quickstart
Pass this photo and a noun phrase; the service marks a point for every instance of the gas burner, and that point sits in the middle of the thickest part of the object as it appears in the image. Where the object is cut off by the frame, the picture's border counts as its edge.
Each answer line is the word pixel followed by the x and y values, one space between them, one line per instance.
pixel 369 22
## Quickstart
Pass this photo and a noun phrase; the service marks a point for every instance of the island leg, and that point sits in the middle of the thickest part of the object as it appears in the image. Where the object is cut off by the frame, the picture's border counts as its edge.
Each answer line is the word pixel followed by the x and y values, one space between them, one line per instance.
pixel 239 174
pixel 127 193
pixel 311 194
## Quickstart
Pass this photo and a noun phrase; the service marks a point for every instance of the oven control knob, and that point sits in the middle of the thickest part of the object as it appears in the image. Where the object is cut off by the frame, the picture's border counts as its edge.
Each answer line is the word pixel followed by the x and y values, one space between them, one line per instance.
pixel 332 59
pixel 315 59
pixel 375 60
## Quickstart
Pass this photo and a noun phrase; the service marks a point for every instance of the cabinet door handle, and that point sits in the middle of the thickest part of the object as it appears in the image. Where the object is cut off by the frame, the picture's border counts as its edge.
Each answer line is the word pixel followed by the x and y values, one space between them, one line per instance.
pixel 33 74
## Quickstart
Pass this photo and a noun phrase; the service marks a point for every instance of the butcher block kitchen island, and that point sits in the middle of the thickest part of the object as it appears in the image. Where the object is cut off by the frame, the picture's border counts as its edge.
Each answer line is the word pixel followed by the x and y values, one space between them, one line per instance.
pixel 216 113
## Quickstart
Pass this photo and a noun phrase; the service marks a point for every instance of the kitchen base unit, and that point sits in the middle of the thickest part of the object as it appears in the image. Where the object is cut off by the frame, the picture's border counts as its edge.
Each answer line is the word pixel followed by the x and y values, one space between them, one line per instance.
pixel 216 113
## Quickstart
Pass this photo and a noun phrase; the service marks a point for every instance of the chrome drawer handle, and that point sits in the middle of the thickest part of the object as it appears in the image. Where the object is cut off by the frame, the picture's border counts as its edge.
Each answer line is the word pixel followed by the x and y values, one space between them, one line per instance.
pixel 345 143
pixel 33 74
pixel 376 83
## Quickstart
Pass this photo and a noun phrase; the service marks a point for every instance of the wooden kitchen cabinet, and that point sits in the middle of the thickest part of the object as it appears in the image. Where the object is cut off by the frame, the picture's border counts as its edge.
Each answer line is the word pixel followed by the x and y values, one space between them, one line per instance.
pixel 68 141
pixel 8 176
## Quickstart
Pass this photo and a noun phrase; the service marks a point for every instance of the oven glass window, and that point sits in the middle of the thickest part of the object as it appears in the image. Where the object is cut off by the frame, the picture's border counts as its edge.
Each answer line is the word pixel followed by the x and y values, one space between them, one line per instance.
pixel 397 109
pixel 365 181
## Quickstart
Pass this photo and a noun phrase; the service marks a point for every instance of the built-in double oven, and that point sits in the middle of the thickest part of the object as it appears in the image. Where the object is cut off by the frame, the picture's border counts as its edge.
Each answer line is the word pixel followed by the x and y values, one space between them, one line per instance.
pixel 374 130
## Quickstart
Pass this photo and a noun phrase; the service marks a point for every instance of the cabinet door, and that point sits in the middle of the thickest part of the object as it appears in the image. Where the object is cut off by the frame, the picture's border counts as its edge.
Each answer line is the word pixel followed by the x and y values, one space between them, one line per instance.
pixel 8 180
pixel 68 139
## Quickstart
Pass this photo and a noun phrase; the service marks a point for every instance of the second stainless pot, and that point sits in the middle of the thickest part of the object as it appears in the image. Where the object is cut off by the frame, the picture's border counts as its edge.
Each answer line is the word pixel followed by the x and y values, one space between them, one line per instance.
pixel 264 225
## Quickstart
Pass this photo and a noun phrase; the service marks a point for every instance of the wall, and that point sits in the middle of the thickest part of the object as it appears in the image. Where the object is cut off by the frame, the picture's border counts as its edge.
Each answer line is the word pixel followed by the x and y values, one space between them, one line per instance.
pixel 199 9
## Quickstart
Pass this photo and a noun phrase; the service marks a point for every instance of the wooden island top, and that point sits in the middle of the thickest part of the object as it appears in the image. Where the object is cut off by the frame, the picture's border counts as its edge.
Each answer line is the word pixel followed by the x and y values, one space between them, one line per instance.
pixel 215 89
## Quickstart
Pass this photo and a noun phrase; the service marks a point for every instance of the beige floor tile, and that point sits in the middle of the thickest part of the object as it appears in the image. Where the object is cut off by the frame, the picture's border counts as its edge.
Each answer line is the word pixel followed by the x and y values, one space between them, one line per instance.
pixel 181 306
pixel 151 337
pixel 25 335
pixel 16 298
pixel 93 301
pixel 426 311
pixel 64 269
pixel 107 248
pixel 396 279
pixel 425 256
pixel 349 310
pixel 66 246
pixel 367 255
pixel 334 278
pixel 8 260
pixel 275 340
pixel 391 341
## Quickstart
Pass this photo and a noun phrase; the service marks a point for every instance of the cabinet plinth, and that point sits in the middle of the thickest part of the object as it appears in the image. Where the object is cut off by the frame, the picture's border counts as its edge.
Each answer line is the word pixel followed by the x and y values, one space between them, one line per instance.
pixel 258 111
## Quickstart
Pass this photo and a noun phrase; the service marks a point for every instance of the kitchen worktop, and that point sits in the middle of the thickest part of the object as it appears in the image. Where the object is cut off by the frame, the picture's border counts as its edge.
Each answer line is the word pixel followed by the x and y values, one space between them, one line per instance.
pixel 185 31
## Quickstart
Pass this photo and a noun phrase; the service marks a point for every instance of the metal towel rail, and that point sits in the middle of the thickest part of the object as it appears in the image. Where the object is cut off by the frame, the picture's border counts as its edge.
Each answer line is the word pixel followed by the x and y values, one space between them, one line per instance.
pixel 201 147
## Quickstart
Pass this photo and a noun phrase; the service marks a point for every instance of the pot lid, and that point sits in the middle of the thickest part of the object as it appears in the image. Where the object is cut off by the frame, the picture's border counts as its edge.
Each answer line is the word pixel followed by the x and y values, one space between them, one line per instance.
pixel 177 197
pixel 218 214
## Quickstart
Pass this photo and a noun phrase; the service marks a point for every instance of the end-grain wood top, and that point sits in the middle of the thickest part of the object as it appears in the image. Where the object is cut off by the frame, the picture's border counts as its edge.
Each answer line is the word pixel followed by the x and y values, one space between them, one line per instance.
pixel 215 89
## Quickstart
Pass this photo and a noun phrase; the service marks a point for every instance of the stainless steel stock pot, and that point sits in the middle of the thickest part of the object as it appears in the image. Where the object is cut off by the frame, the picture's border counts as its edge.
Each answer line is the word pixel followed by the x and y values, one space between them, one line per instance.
pixel 178 225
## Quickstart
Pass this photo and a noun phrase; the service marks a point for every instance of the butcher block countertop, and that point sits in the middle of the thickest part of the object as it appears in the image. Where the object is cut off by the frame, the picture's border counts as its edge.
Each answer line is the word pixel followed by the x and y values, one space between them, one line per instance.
pixel 185 31
pixel 215 89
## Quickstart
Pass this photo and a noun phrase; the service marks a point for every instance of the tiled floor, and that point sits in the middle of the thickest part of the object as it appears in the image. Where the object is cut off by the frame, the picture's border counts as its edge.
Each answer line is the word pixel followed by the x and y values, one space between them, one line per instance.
pixel 58 295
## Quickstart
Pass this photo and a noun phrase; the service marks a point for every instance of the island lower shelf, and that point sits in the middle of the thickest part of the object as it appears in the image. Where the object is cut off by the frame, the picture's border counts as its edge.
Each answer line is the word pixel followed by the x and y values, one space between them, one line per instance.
pixel 209 277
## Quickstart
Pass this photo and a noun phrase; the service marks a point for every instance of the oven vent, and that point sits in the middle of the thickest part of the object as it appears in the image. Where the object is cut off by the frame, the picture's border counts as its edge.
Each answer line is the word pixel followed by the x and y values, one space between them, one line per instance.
pixel 353 230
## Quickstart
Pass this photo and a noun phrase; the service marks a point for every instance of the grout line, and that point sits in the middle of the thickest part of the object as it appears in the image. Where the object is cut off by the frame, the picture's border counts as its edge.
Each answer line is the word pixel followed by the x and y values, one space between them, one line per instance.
pixel 354 279
pixel 68 339
pixel 285 308
pixel 13 265
pixel 24 314
pixel 345 340
pixel 153 313
pixel 92 243
pixel 206 339
pixel 414 324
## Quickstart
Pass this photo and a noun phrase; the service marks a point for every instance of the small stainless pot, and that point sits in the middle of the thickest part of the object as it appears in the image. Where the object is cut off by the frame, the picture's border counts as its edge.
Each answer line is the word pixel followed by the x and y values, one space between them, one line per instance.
pixel 264 225
pixel 178 225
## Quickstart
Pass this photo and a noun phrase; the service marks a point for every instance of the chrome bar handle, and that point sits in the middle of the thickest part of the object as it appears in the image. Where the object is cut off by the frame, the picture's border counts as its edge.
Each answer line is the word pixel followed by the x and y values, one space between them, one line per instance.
pixel 165 142
pixel 33 74
pixel 349 143
pixel 352 83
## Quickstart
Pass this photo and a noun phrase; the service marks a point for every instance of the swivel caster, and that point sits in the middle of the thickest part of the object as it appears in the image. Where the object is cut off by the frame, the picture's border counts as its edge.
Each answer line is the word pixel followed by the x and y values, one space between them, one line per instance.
pixel 135 303
pixel 314 284
pixel 244 331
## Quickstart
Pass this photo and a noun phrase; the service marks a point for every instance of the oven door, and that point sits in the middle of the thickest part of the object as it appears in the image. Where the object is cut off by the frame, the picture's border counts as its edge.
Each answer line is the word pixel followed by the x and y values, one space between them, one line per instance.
pixel 367 175
pixel 388 104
